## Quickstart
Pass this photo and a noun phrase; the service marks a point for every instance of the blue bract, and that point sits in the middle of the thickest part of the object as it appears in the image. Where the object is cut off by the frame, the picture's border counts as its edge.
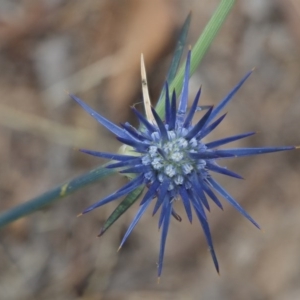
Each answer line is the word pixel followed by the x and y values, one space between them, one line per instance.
pixel 171 159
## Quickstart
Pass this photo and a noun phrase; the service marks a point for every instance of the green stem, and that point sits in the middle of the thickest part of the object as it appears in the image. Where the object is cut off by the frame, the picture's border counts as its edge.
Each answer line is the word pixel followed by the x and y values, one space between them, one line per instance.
pixel 51 196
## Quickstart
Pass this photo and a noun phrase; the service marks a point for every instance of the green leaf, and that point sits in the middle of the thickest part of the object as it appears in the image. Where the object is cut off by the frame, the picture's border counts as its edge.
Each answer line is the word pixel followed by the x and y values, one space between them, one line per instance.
pixel 177 54
pixel 121 208
pixel 179 48
pixel 51 196
pixel 200 48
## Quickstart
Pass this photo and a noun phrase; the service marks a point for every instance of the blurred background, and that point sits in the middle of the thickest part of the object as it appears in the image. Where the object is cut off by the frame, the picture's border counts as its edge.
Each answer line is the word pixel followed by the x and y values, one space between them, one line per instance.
pixel 92 49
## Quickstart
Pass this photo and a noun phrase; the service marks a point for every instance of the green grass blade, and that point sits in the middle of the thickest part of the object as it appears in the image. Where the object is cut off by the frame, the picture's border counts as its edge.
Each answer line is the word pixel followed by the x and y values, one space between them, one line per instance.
pixel 51 196
pixel 121 208
pixel 179 48
pixel 177 54
pixel 201 47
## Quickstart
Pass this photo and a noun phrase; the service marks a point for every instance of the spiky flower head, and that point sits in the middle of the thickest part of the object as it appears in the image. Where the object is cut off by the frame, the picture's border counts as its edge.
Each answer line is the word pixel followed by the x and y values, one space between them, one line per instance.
pixel 170 157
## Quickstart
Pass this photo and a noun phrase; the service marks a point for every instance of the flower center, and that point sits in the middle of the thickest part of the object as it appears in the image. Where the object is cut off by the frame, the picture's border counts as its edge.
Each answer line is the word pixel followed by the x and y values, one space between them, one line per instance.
pixel 171 159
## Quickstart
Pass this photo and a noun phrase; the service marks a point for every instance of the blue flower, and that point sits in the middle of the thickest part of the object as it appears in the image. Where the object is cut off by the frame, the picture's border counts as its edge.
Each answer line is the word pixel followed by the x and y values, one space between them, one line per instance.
pixel 170 157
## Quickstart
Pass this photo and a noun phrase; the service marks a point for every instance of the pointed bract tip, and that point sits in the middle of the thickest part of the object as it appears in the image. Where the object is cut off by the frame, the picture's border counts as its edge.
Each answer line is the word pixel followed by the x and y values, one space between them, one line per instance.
pixel 101 233
pixel 253 69
pixel 190 47
pixel 79 215
pixel 158 280
pixel 297 147
pixel 256 225
pixel 135 104
pixel 119 248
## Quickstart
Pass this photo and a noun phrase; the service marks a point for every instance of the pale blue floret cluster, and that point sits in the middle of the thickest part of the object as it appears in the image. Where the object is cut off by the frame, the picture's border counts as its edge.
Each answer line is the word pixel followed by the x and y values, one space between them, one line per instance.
pixel 172 160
